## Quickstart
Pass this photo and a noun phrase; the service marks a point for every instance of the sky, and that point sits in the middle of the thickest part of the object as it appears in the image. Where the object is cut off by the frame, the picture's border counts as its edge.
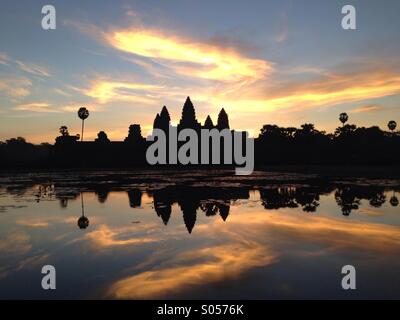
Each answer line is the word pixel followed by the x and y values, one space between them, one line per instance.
pixel 266 62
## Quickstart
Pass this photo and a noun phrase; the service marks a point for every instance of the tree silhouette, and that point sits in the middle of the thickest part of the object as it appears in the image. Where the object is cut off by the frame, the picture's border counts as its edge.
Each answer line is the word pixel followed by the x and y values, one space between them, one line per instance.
pixel 135 134
pixel 346 131
pixel 102 137
pixel 392 125
pixel 64 131
pixel 343 117
pixel 65 137
pixel 83 114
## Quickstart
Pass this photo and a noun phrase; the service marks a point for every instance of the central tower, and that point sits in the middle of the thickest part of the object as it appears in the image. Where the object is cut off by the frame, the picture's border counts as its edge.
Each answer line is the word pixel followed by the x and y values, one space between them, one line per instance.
pixel 188 119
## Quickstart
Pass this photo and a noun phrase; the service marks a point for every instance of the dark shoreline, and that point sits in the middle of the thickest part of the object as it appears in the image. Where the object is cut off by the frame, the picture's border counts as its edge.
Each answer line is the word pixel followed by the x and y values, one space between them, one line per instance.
pixel 156 178
pixel 367 171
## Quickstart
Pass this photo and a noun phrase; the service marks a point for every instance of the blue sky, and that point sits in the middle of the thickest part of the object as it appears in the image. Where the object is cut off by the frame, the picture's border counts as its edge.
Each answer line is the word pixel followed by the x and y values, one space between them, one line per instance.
pixel 283 62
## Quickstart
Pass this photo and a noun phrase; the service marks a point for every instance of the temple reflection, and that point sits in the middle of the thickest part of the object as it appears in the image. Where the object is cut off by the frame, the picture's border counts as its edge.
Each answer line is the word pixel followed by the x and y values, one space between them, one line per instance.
pixel 210 200
pixel 214 200
pixel 102 194
pixel 135 198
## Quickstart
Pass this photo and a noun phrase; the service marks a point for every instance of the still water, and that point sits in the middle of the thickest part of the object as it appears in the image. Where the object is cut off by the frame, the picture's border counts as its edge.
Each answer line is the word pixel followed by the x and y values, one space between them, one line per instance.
pixel 152 235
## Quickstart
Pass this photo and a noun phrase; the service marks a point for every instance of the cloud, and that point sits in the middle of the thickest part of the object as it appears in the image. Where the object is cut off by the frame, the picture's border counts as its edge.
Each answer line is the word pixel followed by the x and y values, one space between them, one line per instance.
pixel 15 87
pixel 105 91
pixel 74 107
pixel 281 37
pixel 61 92
pixel 50 108
pixel 333 234
pixel 35 107
pixel 250 239
pixel 15 242
pixel 367 108
pixel 370 212
pixel 198 267
pixel 225 74
pixel 106 237
pixel 36 223
pixel 25 263
pixel 188 57
pixel 4 59
pixel 31 68
pixel 34 69
pixel 322 91
pixel 281 33
pixel 244 83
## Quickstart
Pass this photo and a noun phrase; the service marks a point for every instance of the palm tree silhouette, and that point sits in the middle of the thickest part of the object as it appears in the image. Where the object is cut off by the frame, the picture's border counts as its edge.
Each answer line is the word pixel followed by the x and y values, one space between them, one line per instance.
pixel 392 125
pixel 343 117
pixel 83 114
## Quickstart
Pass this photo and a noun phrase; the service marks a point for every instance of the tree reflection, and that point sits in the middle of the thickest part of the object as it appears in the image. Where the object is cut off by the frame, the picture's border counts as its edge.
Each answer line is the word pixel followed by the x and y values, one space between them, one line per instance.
pixel 393 200
pixel 346 198
pixel 83 222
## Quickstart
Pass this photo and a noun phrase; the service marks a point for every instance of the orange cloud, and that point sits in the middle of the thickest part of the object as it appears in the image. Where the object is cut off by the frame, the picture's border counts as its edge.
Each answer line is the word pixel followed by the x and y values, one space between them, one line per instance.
pixel 240 83
pixel 15 242
pixel 105 91
pixel 238 75
pixel 47 107
pixel 33 224
pixel 217 262
pixel 368 108
pixel 197 59
pixel 325 91
pixel 15 87
pixel 252 238
pixel 243 80
pixel 35 107
pixel 334 234
pixel 105 237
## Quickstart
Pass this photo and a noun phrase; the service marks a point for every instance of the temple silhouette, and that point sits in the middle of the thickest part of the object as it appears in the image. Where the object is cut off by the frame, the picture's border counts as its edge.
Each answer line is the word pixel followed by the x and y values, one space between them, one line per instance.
pixel 69 151
pixel 188 119
pixel 347 145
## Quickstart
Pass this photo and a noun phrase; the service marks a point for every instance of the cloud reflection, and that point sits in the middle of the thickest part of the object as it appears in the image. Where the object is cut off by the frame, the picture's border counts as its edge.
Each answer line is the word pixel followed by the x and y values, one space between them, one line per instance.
pixel 253 238
pixel 224 261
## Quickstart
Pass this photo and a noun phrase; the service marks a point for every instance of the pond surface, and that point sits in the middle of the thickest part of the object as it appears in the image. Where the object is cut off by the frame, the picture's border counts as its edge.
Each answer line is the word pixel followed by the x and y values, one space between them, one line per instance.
pixel 191 235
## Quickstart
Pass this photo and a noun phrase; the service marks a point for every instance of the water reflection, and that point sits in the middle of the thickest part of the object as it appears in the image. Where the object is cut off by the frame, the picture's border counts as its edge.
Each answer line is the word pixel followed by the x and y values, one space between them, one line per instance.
pixel 216 201
pixel 393 200
pixel 199 239
pixel 83 222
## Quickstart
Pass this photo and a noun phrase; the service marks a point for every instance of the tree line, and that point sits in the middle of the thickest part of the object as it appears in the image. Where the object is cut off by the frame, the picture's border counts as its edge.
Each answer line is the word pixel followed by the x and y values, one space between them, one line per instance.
pixel 348 144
